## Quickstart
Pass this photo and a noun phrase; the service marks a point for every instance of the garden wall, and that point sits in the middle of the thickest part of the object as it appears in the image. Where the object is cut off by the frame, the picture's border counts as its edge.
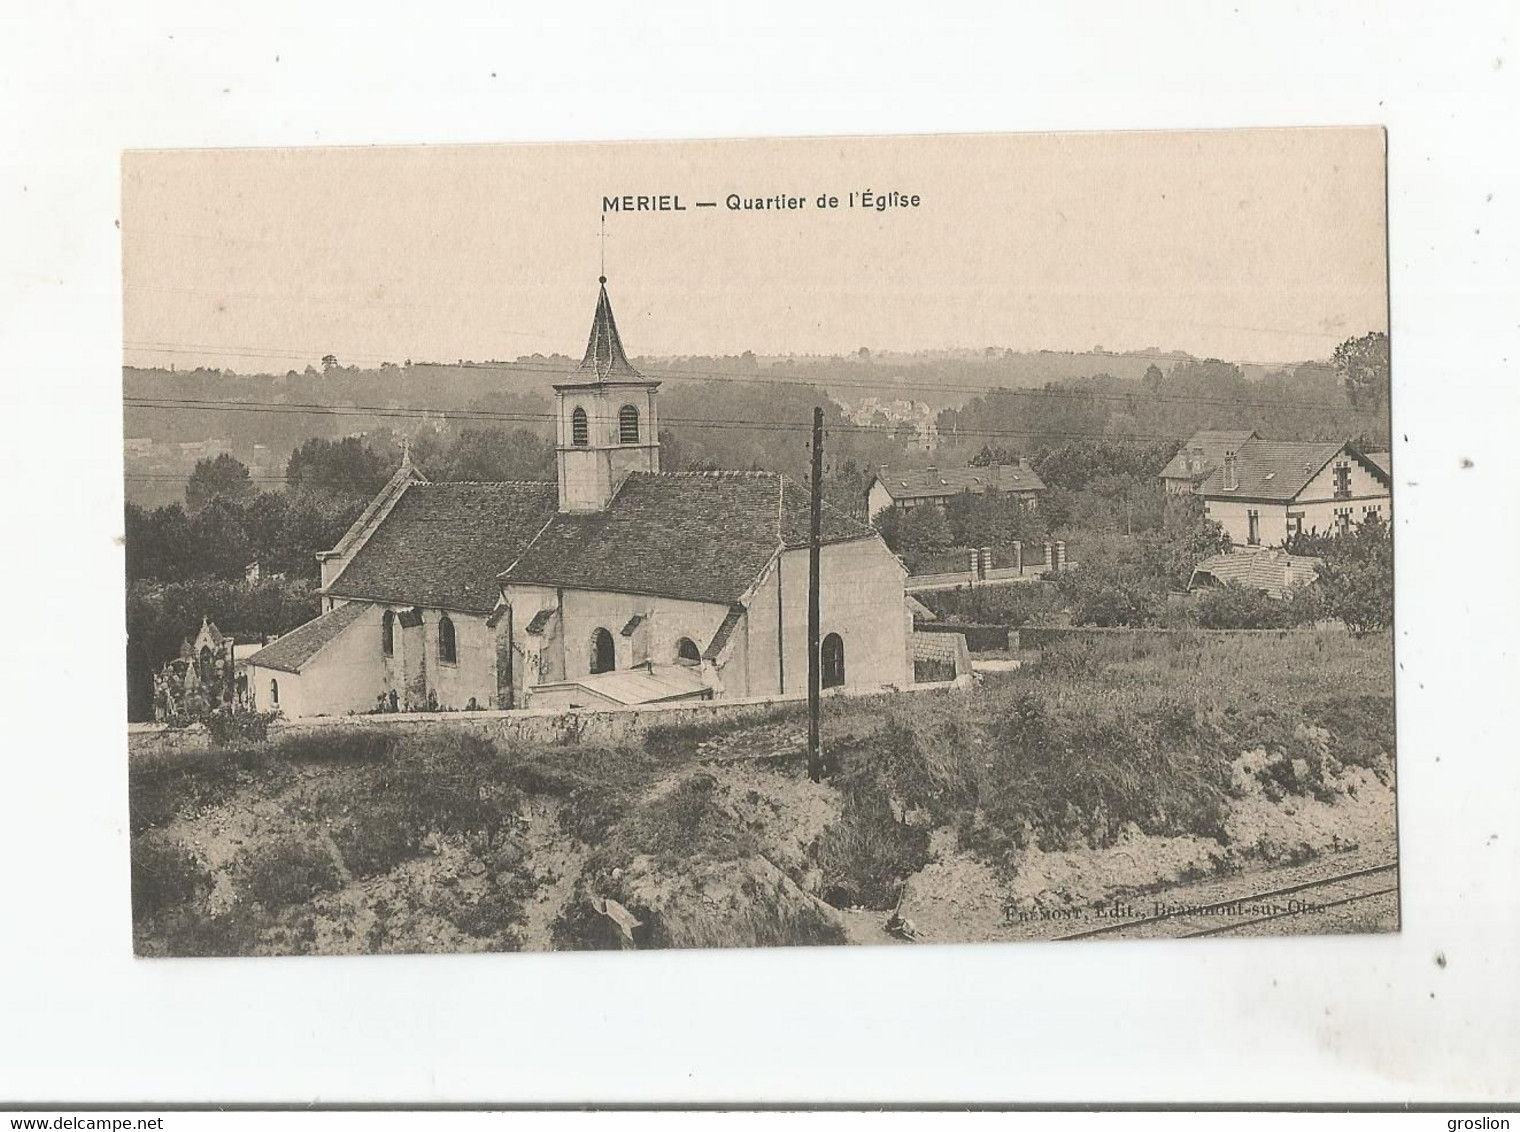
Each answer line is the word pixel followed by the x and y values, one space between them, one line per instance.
pixel 540 728
pixel 1043 636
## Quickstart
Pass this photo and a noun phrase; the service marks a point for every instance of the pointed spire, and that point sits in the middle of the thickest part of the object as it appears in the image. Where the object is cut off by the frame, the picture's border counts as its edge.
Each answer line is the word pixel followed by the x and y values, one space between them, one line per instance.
pixel 604 351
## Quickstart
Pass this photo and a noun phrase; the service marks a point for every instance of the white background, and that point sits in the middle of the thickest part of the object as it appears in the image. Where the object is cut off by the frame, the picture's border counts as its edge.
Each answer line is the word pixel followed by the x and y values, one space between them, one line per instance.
pixel 1309 1019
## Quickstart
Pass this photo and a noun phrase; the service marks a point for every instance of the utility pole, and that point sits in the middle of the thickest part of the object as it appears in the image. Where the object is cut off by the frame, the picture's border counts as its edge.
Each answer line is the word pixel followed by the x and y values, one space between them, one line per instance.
pixel 815 758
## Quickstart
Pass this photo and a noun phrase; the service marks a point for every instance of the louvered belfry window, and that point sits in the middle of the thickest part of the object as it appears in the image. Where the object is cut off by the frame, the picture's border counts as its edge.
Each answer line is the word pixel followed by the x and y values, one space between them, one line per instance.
pixel 628 425
pixel 580 429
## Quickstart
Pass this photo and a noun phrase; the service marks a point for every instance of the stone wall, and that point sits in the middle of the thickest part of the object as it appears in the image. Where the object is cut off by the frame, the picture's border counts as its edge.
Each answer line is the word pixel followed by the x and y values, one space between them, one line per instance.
pixel 1043 636
pixel 540 728
pixel 946 647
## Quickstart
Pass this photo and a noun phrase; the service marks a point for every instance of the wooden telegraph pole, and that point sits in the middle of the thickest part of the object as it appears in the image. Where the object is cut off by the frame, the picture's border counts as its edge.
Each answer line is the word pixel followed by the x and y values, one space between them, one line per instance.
pixel 815 758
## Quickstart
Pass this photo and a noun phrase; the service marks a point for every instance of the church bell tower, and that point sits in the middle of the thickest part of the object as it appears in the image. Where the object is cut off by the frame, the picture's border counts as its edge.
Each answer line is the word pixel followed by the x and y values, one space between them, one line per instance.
pixel 607 422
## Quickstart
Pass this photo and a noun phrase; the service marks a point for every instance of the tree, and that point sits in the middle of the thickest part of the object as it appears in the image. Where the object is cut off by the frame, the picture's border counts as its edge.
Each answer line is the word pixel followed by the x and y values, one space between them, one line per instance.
pixel 329 362
pixel 338 467
pixel 219 477
pixel 494 455
pixel 1117 583
pixel 923 530
pixel 1356 576
pixel 1362 364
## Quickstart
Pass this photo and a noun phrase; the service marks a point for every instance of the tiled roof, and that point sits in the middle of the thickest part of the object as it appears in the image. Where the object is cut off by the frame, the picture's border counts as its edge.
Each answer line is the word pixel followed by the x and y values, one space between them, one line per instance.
pixel 444 543
pixel 1275 571
pixel 605 359
pixel 1214 443
pixel 540 622
pixel 298 646
pixel 1272 469
pixel 697 536
pixel 1384 461
pixel 932 483
pixel 715 647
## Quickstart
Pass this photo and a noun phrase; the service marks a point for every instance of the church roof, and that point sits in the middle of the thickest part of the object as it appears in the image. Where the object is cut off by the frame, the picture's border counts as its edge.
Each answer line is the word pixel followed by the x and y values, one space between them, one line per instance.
pixel 298 646
pixel 696 536
pixel 605 358
pixel 442 544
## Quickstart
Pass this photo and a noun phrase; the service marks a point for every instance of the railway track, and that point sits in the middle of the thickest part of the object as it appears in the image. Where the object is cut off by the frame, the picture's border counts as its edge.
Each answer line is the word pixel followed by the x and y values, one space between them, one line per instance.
pixel 1177 920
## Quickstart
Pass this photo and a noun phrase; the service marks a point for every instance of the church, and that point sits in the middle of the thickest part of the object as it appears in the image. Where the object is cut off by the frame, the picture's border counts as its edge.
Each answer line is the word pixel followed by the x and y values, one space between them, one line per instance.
pixel 615 586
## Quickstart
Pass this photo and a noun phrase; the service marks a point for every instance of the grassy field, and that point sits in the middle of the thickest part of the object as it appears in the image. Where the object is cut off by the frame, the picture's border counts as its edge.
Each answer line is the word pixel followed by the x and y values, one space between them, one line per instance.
pixel 353 841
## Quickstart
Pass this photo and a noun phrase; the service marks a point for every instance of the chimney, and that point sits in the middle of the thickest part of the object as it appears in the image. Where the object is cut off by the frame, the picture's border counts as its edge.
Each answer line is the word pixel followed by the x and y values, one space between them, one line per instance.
pixel 1229 472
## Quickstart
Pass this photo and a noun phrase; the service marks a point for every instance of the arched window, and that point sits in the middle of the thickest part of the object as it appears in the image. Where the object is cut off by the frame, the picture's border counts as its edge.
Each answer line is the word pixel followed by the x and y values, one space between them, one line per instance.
pixel 580 430
pixel 833 661
pixel 274 693
pixel 628 425
pixel 603 652
pixel 447 650
pixel 687 651
pixel 388 633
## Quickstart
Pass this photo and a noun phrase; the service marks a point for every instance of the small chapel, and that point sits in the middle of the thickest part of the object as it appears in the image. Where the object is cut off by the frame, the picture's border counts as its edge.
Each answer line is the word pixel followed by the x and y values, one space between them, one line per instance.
pixel 615 586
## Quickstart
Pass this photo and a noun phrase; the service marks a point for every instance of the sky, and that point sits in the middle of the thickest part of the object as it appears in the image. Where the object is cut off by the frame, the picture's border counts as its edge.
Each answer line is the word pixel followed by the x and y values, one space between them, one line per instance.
pixel 1260 245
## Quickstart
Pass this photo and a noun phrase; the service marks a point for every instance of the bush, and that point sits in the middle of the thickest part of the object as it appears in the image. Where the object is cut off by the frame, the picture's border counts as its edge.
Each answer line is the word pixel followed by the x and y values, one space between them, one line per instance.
pixel 494 915
pixel 868 854
pixel 346 746
pixel 687 825
pixel 288 870
pixel 1012 605
pixel 376 839
pixel 229 727
pixel 1361 728
pixel 456 787
pixel 160 786
pixel 1357 577
pixel 165 875
pixel 1235 606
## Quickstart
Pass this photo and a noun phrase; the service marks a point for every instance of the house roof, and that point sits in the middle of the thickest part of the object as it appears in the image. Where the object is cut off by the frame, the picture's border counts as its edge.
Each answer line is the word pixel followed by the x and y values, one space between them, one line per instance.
pixel 934 483
pixel 695 536
pixel 1384 461
pixel 442 544
pixel 298 646
pixel 1214 444
pixel 647 684
pixel 1275 571
pixel 1277 470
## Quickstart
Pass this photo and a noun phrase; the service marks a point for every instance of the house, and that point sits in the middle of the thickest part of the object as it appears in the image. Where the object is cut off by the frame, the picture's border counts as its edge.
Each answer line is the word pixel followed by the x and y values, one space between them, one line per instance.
pixel 1203 452
pixel 1273 571
pixel 615 585
pixel 905 490
pixel 1266 491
